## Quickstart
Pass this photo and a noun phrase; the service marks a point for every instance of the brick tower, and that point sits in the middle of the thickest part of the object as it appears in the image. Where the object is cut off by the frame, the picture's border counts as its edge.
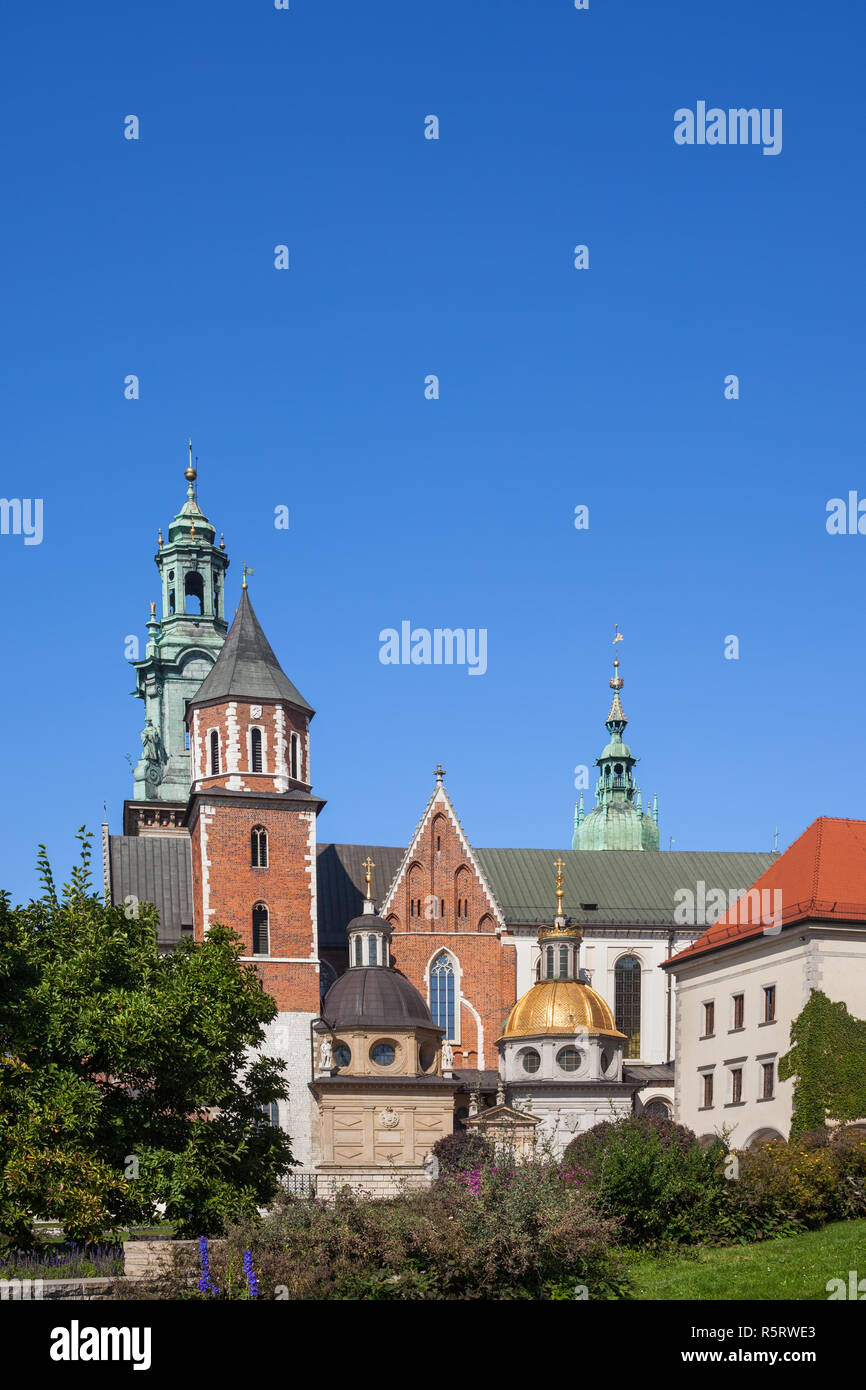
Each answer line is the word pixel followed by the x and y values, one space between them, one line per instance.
pixel 252 823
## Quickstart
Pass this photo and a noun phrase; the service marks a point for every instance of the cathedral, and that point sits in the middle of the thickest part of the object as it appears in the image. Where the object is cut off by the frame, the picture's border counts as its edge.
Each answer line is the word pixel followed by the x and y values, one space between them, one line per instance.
pixel 419 987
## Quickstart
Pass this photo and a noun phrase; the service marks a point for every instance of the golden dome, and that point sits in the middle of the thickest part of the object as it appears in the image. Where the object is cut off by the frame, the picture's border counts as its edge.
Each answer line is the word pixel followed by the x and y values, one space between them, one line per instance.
pixel 560 1006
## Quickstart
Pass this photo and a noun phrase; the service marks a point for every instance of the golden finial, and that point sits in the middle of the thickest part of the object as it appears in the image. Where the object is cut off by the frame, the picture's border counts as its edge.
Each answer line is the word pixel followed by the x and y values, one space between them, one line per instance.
pixel 192 530
pixel 159 539
pixel 439 773
pixel 190 473
pixel 616 681
pixel 222 541
pixel 559 865
pixel 369 866
pixel 153 610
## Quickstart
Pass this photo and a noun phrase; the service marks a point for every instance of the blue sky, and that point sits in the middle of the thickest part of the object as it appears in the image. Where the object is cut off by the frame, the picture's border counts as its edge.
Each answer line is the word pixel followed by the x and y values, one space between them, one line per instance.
pixel 558 387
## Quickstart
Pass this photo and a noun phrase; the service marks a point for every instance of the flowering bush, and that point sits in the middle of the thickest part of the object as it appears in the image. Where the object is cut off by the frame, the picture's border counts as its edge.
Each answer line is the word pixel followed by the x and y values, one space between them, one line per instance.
pixel 517 1230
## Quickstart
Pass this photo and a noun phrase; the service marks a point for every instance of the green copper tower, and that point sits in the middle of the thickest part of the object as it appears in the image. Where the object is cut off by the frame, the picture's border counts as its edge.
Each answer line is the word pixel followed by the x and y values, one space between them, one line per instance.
pixel 182 646
pixel 617 822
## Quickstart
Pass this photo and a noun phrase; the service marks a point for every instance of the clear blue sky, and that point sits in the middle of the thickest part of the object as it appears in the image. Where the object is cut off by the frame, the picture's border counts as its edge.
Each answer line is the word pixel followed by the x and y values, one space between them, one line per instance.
pixel 558 387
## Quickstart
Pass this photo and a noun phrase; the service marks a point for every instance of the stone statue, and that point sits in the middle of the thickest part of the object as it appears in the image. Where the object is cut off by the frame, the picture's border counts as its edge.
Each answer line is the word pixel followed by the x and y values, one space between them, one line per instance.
pixel 431 1166
pixel 326 1054
pixel 447 1055
pixel 500 1094
pixel 150 742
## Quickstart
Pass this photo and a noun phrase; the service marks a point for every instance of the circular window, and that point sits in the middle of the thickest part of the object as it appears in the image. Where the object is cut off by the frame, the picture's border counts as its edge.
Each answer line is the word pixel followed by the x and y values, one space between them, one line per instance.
pixel 383 1054
pixel 605 1061
pixel 531 1059
pixel 568 1058
pixel 342 1056
pixel 426 1056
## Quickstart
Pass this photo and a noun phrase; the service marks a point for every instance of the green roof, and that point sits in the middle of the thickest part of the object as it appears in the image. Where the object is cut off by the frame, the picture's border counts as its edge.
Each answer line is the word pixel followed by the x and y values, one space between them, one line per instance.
pixel 628 888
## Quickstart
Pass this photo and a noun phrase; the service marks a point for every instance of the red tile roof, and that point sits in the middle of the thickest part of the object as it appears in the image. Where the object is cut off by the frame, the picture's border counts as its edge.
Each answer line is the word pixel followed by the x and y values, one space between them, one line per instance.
pixel 821 876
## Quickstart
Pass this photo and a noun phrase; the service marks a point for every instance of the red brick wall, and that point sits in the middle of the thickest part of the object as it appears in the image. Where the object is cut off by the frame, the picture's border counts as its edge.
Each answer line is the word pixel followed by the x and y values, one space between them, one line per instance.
pixel 275 743
pixel 234 887
pixel 440 870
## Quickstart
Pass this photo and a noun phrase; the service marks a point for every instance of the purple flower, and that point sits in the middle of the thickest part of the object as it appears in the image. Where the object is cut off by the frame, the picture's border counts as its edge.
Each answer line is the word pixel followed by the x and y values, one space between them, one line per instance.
pixel 251 1275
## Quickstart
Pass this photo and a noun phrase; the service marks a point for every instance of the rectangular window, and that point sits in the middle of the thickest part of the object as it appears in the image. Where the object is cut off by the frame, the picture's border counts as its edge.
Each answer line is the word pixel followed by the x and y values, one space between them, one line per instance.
pixel 769 1003
pixel 708 1089
pixel 738 1011
pixel 768 1080
pixel 709 1019
pixel 736 1085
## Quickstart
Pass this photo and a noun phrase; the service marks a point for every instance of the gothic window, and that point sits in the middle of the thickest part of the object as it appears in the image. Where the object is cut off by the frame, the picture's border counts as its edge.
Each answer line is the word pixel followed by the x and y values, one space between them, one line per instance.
pixel 261 943
pixel 627 988
pixel 327 977
pixel 193 592
pixel 658 1108
pixel 442 993
pixel 259 847
pixel 563 962
pixel 293 756
pixel 256 764
pixel 372 951
pixel 214 753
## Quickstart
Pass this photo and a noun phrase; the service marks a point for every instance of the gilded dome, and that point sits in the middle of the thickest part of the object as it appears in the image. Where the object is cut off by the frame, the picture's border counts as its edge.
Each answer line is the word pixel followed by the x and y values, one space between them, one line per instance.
pixel 560 1006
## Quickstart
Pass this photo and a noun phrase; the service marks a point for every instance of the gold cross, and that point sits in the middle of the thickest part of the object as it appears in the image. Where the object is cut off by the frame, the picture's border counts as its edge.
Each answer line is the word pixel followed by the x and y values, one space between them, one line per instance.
pixel 369 865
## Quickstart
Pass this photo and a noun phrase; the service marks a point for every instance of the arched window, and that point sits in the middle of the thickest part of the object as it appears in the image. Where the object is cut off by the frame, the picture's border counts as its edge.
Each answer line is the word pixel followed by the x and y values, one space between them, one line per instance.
pixel 359 950
pixel 271 1114
pixel 193 590
pixel 626 977
pixel 293 756
pixel 372 952
pixel 214 753
pixel 550 962
pixel 261 944
pixel 256 764
pixel 327 977
pixel 563 961
pixel 259 847
pixel 442 993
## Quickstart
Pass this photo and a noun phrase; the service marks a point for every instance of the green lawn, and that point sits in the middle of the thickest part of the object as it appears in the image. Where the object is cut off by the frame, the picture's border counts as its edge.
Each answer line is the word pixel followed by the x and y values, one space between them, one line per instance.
pixel 795 1267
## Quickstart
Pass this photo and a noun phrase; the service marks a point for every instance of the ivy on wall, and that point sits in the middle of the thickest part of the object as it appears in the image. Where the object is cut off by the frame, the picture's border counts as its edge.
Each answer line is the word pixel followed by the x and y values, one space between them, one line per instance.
pixel 828 1060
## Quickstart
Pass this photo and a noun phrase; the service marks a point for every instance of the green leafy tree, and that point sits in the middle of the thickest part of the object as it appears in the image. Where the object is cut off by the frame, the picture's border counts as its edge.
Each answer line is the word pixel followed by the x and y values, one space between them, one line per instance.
pixel 126 1077
pixel 828 1060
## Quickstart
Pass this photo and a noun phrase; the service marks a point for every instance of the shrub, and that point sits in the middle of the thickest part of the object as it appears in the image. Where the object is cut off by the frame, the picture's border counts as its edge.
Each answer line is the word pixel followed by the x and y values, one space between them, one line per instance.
pixel 514 1232
pixel 654 1177
pixel 462 1149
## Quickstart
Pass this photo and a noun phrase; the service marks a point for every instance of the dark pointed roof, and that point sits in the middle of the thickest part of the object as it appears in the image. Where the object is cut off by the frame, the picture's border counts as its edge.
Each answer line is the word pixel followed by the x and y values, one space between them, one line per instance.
pixel 246 668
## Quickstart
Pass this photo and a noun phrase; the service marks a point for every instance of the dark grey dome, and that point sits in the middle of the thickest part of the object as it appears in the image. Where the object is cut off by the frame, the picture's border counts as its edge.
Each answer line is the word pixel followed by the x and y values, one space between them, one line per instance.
pixel 370 919
pixel 375 996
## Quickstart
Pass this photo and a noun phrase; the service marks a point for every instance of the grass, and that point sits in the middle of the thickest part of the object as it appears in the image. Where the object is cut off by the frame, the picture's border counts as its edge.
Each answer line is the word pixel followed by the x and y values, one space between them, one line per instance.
pixel 796 1267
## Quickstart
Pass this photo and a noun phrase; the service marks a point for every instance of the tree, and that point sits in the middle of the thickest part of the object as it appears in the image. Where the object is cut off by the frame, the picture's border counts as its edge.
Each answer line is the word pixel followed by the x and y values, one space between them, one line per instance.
pixel 125 1077
pixel 828 1060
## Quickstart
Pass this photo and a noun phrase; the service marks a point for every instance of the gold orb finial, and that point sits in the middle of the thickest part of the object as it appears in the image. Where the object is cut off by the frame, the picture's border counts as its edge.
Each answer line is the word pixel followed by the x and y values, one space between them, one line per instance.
pixel 559 865
pixel 190 473
pixel 369 866
pixel 160 542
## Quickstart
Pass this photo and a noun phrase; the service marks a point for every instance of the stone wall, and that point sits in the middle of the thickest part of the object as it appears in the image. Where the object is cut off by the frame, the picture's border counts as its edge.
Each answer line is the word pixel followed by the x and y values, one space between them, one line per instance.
pixel 370 1182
